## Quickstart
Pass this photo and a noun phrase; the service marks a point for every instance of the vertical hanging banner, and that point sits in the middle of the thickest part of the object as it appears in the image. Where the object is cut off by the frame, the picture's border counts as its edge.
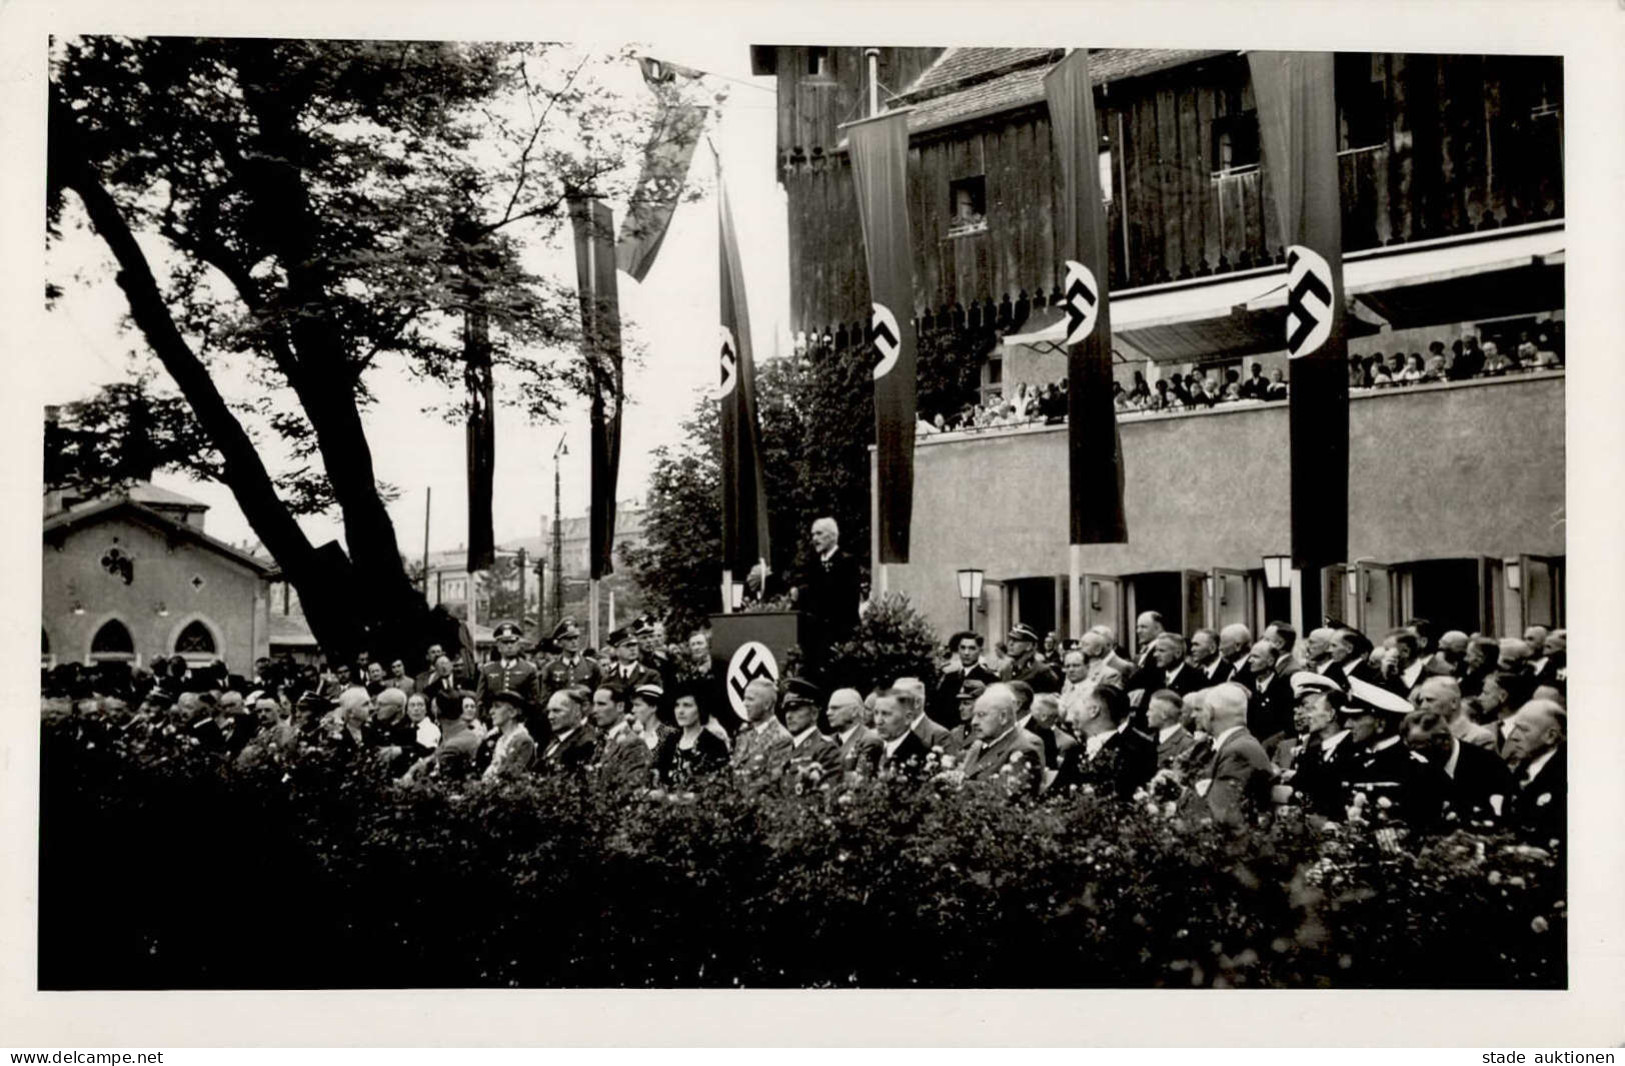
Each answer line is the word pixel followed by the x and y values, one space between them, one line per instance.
pixel 1297 120
pixel 666 158
pixel 1094 446
pixel 594 227
pixel 481 437
pixel 744 485
pixel 879 148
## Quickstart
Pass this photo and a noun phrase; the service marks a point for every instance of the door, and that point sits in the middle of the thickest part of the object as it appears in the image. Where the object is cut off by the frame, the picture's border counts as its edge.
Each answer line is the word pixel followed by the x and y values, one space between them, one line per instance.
pixel 1540 585
pixel 1229 603
pixel 1334 594
pixel 1103 604
pixel 1374 603
pixel 1194 605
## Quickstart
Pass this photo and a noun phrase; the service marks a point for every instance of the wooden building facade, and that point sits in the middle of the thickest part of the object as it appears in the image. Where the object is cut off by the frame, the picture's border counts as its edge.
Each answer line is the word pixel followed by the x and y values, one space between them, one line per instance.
pixel 1430 146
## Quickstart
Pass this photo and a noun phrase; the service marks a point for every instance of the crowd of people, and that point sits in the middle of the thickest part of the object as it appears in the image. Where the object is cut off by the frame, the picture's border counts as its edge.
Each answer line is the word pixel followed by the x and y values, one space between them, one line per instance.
pixel 1418 733
pixel 1200 388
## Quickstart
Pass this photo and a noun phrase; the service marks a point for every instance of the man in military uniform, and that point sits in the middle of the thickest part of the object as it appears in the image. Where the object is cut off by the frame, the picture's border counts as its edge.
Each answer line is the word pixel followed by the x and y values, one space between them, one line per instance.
pixel 628 670
pixel 569 667
pixel 510 671
pixel 1026 664
pixel 1397 783
pixel 652 650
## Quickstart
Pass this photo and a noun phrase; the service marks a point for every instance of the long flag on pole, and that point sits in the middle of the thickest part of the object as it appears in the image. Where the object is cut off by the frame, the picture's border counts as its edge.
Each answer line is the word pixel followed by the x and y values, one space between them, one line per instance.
pixel 744 485
pixel 879 149
pixel 596 284
pixel 1297 119
pixel 480 437
pixel 1094 448
pixel 666 158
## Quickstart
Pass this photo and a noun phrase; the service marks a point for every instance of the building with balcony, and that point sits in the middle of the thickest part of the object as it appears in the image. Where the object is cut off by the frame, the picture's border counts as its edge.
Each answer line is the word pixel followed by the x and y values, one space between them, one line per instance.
pixel 1452 193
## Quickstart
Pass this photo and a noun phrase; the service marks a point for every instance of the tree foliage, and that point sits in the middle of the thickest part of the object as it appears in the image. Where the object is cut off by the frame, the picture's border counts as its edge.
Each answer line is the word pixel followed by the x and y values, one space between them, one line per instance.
pixel 892 640
pixel 325 209
pixel 817 415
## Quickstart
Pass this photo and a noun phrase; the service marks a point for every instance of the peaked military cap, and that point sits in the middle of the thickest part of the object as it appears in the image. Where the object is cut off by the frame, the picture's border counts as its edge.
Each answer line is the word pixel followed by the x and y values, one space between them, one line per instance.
pixel 800 690
pixel 1306 681
pixel 1022 632
pixel 506 629
pixel 1377 698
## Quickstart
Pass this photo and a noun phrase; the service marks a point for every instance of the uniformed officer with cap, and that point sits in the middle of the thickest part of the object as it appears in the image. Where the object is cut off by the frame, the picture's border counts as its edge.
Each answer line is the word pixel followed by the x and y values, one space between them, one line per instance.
pixel 1285 747
pixel 627 669
pixel 569 667
pixel 1396 783
pixel 1026 664
pixel 651 650
pixel 510 671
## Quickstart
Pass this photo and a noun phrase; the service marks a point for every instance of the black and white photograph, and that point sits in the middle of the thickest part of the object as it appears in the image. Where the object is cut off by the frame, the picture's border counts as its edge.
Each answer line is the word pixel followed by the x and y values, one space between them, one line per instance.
pixel 652 509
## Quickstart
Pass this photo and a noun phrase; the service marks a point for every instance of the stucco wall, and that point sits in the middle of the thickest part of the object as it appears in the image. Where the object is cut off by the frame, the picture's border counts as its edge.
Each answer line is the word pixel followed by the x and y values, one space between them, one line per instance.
pixel 1435 472
pixel 232 601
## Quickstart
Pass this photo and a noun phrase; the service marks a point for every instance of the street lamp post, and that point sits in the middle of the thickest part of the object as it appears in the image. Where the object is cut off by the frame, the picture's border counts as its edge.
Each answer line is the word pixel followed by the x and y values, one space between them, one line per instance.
pixel 970 589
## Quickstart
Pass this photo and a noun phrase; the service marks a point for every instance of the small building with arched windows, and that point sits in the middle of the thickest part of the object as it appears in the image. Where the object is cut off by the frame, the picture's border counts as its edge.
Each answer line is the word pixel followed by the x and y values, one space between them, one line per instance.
pixel 132 575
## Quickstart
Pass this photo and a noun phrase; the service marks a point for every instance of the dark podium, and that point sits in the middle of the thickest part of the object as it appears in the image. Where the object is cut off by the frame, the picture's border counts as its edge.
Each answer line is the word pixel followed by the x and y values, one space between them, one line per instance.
pixel 776 630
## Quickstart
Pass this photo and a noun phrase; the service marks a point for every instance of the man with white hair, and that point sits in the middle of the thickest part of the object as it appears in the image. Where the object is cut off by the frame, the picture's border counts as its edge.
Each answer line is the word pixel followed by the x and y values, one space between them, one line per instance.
pixel 1235 644
pixel 1235 784
pixel 1204 656
pixel 1551 665
pixel 827 594
pixel 762 748
pixel 1317 648
pixel 1443 696
pixel 228 731
pixel 910 691
pixel 1516 655
pixel 1540 801
pixel 860 745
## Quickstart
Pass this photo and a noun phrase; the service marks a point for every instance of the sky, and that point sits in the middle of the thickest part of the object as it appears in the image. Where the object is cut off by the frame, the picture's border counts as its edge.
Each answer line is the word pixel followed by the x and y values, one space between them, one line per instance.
pixel 672 313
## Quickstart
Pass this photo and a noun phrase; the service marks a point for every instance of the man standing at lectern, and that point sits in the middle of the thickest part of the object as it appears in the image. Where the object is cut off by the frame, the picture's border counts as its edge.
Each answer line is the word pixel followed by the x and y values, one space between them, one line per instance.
pixel 828 593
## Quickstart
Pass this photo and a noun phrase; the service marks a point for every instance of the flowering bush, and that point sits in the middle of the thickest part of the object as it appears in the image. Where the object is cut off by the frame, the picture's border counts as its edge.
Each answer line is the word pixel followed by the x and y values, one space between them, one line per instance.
pixel 162 867
pixel 892 640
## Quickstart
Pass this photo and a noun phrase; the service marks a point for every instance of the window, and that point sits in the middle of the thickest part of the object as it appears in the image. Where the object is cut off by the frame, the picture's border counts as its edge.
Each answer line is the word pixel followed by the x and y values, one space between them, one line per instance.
pixel 195 639
pixel 817 62
pixel 1235 142
pixel 967 205
pixel 112 643
pixel 1362 105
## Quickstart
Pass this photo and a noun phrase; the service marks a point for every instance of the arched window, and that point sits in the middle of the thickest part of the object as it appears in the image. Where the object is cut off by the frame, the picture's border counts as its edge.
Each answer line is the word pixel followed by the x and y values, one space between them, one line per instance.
pixel 112 643
pixel 195 641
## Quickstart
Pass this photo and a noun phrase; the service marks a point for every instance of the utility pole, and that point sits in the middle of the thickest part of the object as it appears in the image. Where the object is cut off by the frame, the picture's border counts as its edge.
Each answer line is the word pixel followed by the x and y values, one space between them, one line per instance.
pixel 522 591
pixel 558 537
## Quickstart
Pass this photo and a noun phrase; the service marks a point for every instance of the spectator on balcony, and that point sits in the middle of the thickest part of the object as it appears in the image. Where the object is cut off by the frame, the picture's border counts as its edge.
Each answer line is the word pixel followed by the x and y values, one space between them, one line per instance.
pixel 1232 385
pixel 1549 347
pixel 1495 362
pixel 1276 389
pixel 1412 371
pixel 1255 387
pixel 1357 378
pixel 1200 396
pixel 1470 363
pixel 1140 395
pixel 1435 370
pixel 1181 393
pixel 1165 400
pixel 1376 374
pixel 1527 354
pixel 1120 397
pixel 1396 368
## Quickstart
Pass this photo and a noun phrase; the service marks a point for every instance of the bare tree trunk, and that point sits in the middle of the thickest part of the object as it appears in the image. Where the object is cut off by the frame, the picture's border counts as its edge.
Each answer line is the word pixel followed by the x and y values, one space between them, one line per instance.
pixel 326 607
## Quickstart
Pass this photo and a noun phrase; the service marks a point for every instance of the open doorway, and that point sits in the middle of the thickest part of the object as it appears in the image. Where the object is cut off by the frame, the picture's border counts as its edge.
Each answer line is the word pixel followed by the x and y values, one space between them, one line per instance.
pixel 1032 602
pixel 1446 592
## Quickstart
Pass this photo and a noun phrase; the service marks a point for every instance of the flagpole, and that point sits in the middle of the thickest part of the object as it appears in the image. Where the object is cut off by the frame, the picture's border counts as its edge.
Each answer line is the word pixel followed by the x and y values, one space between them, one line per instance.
pixel 592 611
pixel 727 591
pixel 1074 611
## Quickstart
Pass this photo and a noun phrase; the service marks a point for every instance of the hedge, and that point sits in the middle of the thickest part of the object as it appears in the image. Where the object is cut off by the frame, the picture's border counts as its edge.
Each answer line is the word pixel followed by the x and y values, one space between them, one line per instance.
pixel 165 868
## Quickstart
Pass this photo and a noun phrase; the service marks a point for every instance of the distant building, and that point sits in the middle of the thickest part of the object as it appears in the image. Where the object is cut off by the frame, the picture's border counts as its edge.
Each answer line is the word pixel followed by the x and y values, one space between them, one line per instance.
pixel 629 517
pixel 132 575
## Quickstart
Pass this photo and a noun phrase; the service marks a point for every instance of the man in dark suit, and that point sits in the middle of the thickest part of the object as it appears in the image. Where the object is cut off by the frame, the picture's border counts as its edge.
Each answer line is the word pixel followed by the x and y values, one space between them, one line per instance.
pixel 964 664
pixel 1551 665
pixel 228 731
pixel 1235 644
pixel 902 754
pixel 1147 628
pixel 1002 753
pixel 1269 694
pixel 1205 659
pixel 1539 805
pixel 1480 784
pixel 575 741
pixel 1235 784
pixel 911 692
pixel 827 594
pixel 1165 712
pixel 1113 759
